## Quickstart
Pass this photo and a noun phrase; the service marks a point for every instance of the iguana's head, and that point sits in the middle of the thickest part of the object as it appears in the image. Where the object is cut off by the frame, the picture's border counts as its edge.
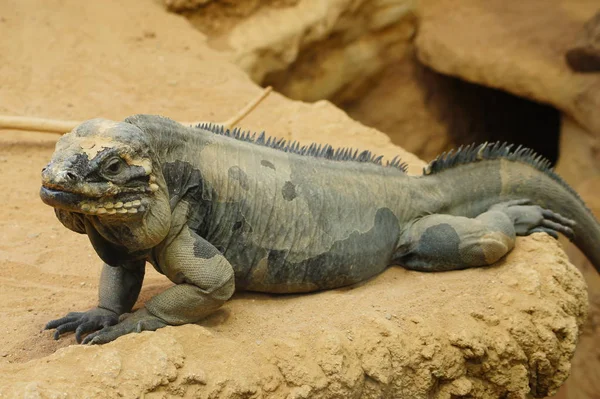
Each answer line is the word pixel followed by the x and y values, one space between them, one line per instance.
pixel 101 168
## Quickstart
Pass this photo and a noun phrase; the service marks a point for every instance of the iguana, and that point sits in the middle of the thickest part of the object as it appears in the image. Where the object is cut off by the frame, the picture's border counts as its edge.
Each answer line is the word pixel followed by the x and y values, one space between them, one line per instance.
pixel 217 210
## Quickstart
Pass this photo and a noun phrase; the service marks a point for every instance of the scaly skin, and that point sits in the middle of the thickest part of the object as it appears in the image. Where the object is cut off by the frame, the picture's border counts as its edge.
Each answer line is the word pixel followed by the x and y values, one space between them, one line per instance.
pixel 215 214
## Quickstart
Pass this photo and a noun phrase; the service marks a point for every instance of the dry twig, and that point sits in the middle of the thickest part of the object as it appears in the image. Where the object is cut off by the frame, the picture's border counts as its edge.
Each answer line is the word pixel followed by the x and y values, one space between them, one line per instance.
pixel 60 126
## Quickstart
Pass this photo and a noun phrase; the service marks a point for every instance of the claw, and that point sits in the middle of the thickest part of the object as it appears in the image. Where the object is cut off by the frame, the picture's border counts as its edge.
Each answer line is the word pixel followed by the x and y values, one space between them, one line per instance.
pixel 567 231
pixel 71 317
pixel 528 218
pixel 82 322
pixel 548 214
pixel 83 329
pixel 135 322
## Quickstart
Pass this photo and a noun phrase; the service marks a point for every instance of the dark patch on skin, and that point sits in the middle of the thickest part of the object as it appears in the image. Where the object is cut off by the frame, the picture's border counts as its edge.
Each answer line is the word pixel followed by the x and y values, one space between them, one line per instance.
pixel 349 261
pixel 438 249
pixel 80 165
pixel 203 250
pixel 184 182
pixel 235 173
pixel 267 164
pixel 112 254
pixel 289 191
pixel 440 242
pixel 233 239
pixel 242 225
pixel 71 220
pixel 76 168
pixel 432 250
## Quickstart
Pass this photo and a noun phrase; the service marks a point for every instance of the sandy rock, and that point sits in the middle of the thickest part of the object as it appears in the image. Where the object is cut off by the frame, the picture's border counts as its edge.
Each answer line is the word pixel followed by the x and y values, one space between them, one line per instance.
pixel 584 56
pixel 402 105
pixel 579 154
pixel 316 49
pixel 517 338
pixel 518 47
pixel 182 5
pixel 503 331
pixel 584 381
pixel 579 165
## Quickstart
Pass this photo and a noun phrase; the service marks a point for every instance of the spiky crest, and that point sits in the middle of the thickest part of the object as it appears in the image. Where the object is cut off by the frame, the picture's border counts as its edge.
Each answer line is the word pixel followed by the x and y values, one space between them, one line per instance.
pixel 490 151
pixel 325 151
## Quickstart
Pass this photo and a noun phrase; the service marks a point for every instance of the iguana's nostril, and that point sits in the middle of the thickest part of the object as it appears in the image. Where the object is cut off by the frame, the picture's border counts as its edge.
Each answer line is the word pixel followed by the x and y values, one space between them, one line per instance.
pixel 64 177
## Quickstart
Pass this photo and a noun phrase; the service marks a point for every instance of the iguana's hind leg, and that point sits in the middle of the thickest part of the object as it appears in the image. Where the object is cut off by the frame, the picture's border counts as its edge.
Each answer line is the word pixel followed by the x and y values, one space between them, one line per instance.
pixel 445 242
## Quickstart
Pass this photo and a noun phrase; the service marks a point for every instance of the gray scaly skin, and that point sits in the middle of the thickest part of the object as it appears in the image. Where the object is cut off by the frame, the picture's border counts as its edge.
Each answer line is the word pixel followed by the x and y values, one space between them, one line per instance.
pixel 216 211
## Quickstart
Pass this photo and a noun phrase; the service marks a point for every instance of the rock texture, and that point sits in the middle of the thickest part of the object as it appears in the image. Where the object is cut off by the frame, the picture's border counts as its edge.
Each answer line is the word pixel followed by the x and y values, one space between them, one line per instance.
pixel 310 49
pixel 183 5
pixel 503 331
pixel 407 103
pixel 403 335
pixel 580 154
pixel 579 165
pixel 584 56
pixel 519 48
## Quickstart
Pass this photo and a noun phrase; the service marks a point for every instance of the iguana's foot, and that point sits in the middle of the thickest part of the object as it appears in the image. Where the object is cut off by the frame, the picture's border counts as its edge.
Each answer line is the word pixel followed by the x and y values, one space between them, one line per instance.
pixel 530 219
pixel 141 320
pixel 83 322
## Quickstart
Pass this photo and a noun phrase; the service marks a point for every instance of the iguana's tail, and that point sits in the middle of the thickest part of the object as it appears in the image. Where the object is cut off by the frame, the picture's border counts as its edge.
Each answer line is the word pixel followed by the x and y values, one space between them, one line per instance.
pixel 477 177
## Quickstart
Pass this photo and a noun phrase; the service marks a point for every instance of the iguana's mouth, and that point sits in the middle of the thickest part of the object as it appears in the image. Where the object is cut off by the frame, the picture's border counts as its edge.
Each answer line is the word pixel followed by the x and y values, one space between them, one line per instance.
pixel 127 203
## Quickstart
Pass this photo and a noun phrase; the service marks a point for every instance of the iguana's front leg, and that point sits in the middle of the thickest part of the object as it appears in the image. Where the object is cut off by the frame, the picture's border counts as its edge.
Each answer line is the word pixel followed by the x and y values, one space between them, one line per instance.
pixel 444 242
pixel 119 289
pixel 204 278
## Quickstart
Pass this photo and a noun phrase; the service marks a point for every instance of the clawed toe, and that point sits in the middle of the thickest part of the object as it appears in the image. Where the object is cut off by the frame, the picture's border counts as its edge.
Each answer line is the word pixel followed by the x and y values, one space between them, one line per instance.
pixel 567 231
pixel 557 217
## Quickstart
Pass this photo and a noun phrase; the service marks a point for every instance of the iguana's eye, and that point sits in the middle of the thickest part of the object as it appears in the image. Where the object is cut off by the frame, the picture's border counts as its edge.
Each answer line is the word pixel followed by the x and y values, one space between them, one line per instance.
pixel 113 167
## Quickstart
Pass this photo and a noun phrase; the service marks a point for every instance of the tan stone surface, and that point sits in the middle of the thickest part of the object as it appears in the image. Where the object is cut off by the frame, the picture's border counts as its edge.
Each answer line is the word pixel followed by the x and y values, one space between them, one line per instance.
pixel 584 381
pixel 182 5
pixel 517 46
pixel 584 55
pixel 310 49
pixel 490 332
pixel 579 154
pixel 401 104
pixel 579 165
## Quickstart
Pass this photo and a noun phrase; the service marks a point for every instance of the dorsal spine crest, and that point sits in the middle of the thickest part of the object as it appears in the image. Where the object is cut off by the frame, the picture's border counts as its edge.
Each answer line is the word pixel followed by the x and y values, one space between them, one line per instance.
pixel 325 151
